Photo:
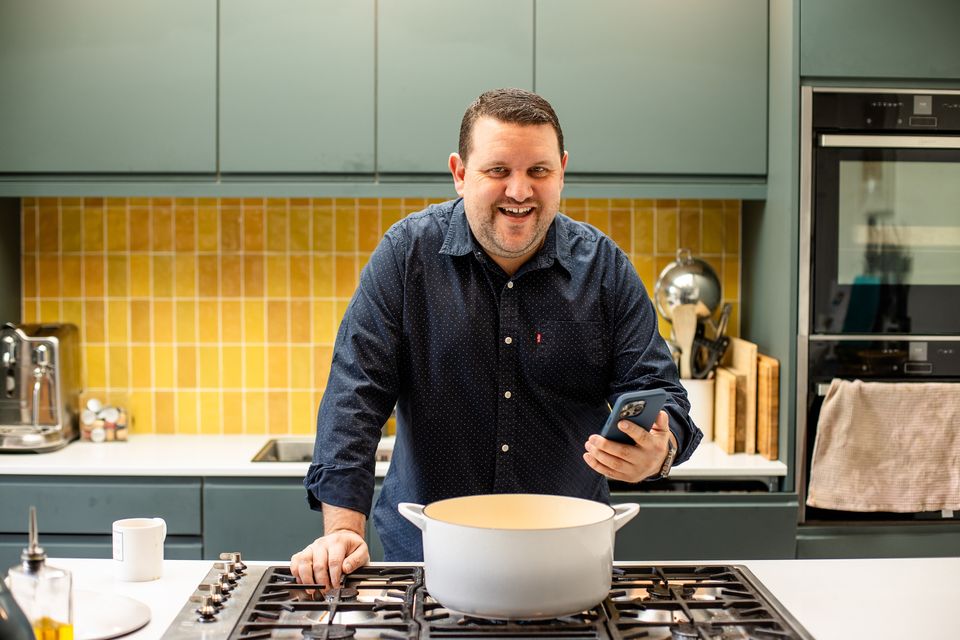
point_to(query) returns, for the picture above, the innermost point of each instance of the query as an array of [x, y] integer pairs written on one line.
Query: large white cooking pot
[[510, 556]]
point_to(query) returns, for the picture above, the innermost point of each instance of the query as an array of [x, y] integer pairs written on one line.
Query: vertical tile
[[230, 229], [253, 285], [72, 312], [712, 230], [300, 229], [277, 273], [323, 276], [117, 325], [49, 226], [302, 413], [48, 278], [208, 328], [232, 415], [231, 268], [345, 226], [300, 321], [119, 369], [323, 239], [278, 421], [322, 357], [72, 274], [208, 231], [186, 311], [71, 229], [208, 276], [187, 418], [29, 311], [231, 321], [163, 366], [185, 277], [324, 329], [644, 264], [184, 226], [93, 229], [208, 373], [277, 313], [162, 276], [255, 367], [299, 270], [141, 412], [140, 276], [95, 362], [278, 361], [186, 367], [276, 230], [164, 403], [255, 412], [621, 228], [254, 329], [94, 324], [117, 285], [730, 277], [141, 372], [253, 227], [93, 276], [117, 228], [163, 323], [731, 231], [598, 214], [232, 367], [28, 227], [391, 212], [368, 228], [29, 272], [301, 362], [346, 272], [666, 231], [49, 311], [139, 222], [161, 226], [690, 230], [140, 321]]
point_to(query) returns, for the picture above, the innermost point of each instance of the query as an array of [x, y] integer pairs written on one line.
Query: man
[[501, 330]]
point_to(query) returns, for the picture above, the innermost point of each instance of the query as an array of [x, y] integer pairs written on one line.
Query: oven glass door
[[886, 240]]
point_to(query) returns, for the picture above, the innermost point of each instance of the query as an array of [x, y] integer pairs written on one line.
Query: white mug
[[138, 548]]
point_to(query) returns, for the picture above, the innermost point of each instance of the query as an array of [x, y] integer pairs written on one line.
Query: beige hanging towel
[[887, 446]]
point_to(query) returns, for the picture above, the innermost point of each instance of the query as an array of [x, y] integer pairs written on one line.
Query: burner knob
[[234, 557], [208, 612], [224, 585], [227, 571], [217, 596]]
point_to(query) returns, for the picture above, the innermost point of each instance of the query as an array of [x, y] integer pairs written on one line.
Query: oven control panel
[[885, 359]]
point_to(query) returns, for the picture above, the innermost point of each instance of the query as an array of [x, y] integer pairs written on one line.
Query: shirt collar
[[459, 240]]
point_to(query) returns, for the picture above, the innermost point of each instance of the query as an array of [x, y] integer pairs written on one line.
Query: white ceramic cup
[[138, 548], [700, 394]]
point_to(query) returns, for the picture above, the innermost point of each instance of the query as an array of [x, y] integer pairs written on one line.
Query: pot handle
[[414, 513], [624, 513]]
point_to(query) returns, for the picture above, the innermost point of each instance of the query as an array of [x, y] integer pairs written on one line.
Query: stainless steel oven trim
[[926, 92], [878, 337], [890, 141], [803, 289]]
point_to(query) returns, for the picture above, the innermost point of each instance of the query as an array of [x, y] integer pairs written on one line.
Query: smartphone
[[640, 407]]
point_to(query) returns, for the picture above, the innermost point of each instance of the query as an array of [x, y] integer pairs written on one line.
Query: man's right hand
[[340, 551]]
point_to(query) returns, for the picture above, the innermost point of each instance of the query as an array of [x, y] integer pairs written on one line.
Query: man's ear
[[458, 170]]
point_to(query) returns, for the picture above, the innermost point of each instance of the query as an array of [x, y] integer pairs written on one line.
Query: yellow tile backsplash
[[211, 315]]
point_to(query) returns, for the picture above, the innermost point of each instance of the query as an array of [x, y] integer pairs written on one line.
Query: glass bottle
[[43, 592]]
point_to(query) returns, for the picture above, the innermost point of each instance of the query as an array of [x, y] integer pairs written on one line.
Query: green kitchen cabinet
[[914, 540], [434, 57], [880, 39], [108, 86], [75, 514], [296, 86], [708, 526], [262, 518], [655, 87]]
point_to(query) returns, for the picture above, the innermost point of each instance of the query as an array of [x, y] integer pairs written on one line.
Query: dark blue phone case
[[639, 407]]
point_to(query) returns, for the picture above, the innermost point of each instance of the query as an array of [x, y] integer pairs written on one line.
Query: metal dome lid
[[687, 280]]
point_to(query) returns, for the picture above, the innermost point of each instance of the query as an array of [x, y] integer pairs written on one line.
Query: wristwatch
[[667, 462]]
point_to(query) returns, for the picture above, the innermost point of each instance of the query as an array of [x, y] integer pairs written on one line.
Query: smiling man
[[500, 329]]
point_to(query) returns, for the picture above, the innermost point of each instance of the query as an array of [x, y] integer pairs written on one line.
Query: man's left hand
[[631, 463]]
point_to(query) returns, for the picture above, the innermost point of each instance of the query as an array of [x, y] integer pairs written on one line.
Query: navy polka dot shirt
[[498, 381]]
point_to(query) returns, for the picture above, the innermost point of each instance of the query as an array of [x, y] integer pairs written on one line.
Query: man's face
[[511, 187]]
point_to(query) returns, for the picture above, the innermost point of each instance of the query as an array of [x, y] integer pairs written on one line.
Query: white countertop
[[879, 599], [182, 455]]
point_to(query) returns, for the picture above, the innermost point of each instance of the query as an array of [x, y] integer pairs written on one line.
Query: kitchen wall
[[219, 315]]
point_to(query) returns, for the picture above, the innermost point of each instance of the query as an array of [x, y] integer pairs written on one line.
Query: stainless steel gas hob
[[237, 602]]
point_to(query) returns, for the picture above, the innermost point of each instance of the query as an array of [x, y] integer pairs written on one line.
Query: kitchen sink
[[301, 450]]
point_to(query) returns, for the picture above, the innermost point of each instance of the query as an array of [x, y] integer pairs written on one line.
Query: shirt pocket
[[569, 357]]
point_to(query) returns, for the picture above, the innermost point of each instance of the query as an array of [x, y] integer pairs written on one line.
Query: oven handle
[[892, 142]]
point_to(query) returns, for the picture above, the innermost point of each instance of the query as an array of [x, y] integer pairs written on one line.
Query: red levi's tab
[[539, 337]]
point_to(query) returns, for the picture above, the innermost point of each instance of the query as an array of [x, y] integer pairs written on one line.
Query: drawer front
[[79, 504], [59, 546]]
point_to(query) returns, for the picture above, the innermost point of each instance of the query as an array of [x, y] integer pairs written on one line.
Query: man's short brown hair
[[515, 106]]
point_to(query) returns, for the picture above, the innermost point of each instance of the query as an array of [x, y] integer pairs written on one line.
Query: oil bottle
[[43, 592]]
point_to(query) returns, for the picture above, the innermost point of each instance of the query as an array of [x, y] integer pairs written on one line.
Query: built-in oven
[[879, 252]]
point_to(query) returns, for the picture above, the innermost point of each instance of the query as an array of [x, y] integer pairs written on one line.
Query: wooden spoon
[[684, 329]]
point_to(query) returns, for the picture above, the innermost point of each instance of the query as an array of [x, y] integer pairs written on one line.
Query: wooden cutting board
[[741, 356], [725, 409], [768, 406]]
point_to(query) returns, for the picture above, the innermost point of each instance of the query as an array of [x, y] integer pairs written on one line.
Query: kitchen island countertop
[[201, 455], [882, 599]]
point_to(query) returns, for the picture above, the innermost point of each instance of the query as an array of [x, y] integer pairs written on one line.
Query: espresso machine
[[39, 400]]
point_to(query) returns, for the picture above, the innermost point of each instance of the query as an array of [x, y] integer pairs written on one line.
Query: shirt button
[[505, 448], [510, 285], [508, 340], [507, 394]]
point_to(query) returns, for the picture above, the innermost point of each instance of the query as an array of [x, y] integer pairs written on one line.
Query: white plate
[[107, 615]]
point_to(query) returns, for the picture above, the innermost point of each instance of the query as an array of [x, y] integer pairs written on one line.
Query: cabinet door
[[296, 86], [434, 57], [919, 540], [108, 86], [262, 518], [708, 527], [58, 546], [880, 39], [657, 86]]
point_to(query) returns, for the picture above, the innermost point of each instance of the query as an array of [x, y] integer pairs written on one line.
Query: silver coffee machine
[[39, 401]]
